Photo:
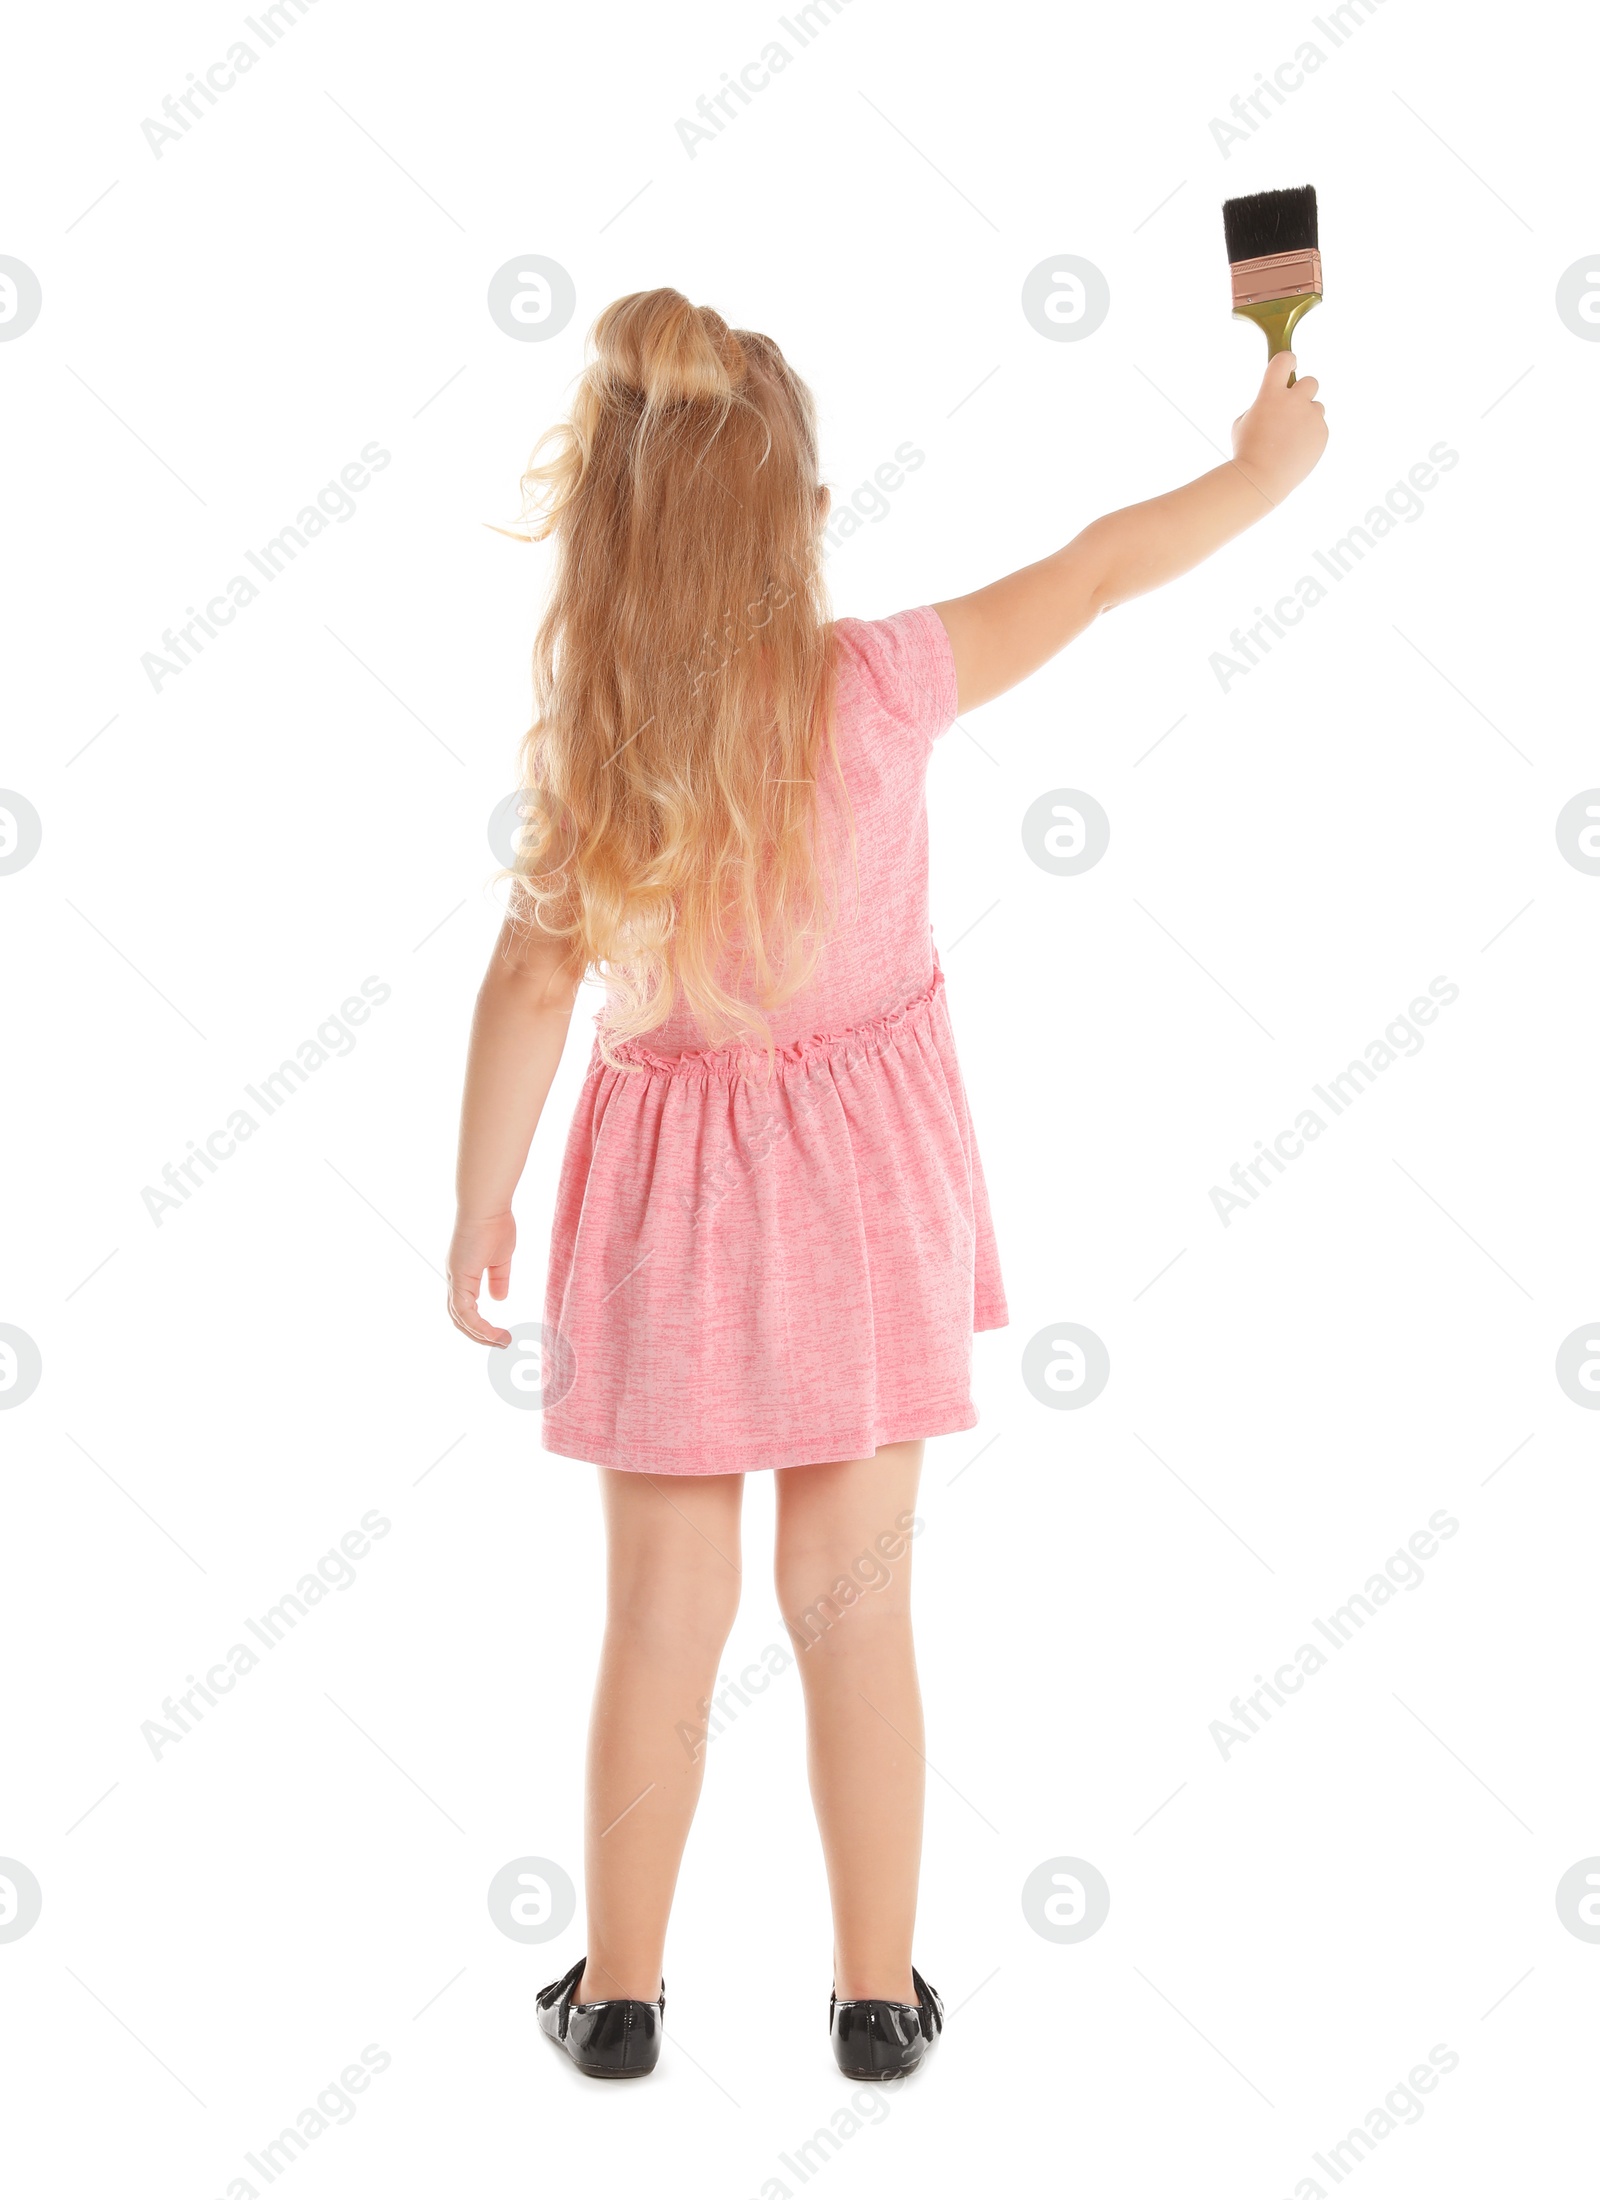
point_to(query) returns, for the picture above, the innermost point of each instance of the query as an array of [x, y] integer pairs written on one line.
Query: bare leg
[[844, 1586], [672, 1589]]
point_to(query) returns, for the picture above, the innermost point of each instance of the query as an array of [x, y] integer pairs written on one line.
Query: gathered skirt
[[776, 1269]]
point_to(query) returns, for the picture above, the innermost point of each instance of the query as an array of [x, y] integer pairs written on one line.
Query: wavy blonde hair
[[683, 677]]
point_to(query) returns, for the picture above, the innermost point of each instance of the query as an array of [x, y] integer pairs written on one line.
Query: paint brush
[[1274, 261]]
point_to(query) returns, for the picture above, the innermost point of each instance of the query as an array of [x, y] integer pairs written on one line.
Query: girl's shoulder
[[900, 668]]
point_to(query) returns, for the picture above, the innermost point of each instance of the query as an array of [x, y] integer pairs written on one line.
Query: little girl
[[772, 1242]]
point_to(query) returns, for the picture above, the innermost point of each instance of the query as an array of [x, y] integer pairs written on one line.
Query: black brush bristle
[[1270, 221]]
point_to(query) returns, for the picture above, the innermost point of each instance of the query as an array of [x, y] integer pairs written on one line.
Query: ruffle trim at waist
[[707, 1064]]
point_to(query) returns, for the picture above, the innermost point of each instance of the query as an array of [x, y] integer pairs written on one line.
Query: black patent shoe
[[885, 2039], [606, 2039]]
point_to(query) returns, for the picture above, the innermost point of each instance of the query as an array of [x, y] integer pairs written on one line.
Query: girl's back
[[760, 1265], [896, 693]]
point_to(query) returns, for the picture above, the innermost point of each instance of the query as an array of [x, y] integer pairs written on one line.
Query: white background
[[224, 861]]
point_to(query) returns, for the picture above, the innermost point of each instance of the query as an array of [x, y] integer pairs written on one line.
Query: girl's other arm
[[999, 634], [518, 1030]]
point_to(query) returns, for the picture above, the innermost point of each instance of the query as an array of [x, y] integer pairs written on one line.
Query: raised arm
[[999, 634]]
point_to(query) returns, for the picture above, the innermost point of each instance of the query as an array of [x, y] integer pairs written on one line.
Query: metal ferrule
[[1277, 275]]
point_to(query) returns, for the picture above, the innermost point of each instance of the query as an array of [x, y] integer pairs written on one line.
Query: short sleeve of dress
[[905, 668]]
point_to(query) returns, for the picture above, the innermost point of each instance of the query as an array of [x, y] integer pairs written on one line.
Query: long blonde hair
[[683, 677]]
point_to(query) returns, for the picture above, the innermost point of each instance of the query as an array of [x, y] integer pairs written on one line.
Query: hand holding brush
[[1278, 441]]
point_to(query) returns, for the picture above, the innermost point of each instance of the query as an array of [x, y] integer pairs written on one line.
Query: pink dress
[[774, 1274]]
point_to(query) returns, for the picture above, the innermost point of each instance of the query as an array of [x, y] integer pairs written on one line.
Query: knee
[[677, 1610], [837, 1602]]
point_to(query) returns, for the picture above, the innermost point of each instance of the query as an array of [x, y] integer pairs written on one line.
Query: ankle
[[874, 1982], [616, 1981]]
